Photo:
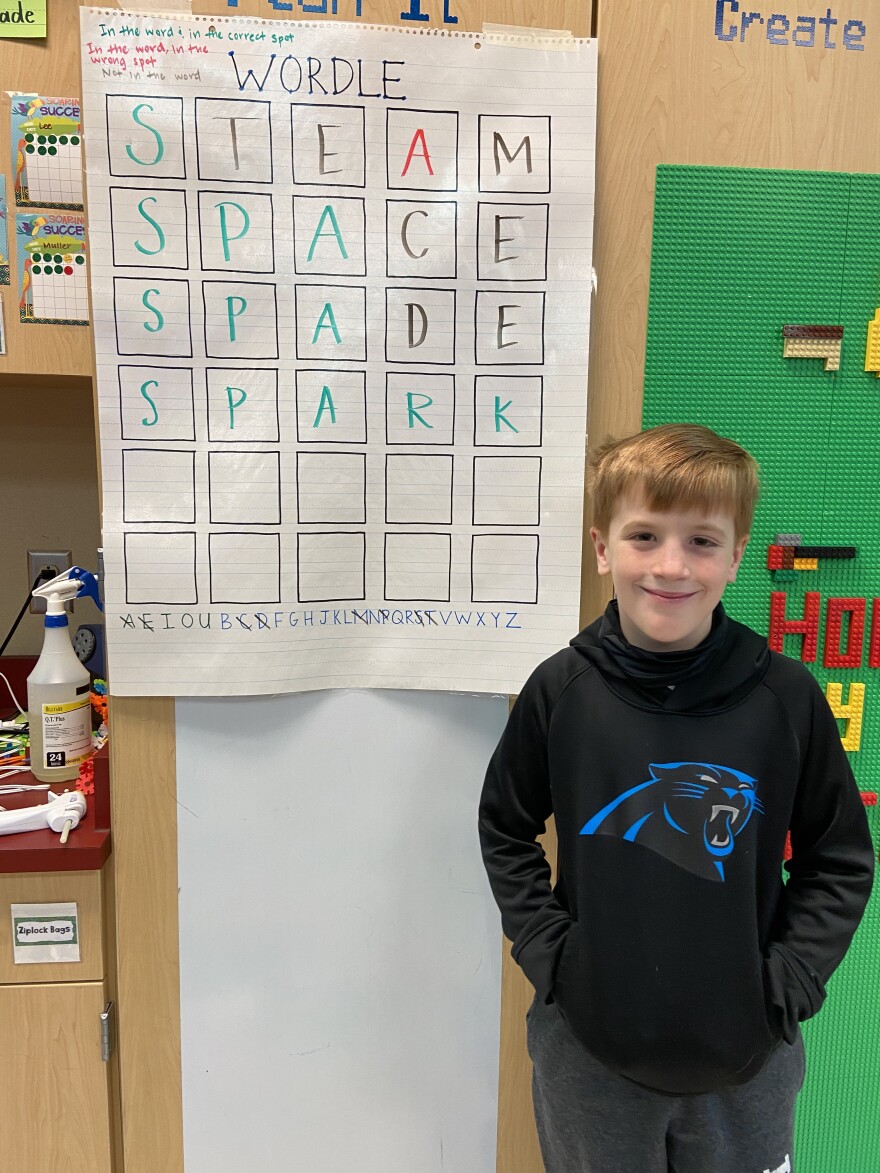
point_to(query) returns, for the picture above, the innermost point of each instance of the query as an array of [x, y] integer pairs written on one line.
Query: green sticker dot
[[41, 150], [63, 139], [37, 269], [58, 258], [53, 150], [58, 269], [30, 150], [28, 138], [80, 260], [53, 138], [74, 140], [41, 138]]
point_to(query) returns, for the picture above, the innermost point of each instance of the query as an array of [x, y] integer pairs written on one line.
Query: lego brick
[[872, 345], [851, 710], [859, 292], [805, 626], [851, 656], [813, 342]]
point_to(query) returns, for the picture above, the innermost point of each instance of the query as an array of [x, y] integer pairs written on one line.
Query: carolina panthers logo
[[689, 812]]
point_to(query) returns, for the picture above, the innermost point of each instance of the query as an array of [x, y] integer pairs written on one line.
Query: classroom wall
[[48, 462], [48, 467]]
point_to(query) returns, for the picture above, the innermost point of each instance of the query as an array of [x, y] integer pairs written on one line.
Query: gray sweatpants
[[591, 1120]]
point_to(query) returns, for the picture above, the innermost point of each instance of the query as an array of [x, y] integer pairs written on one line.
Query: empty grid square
[[504, 568], [245, 567], [244, 488], [507, 490], [331, 487], [160, 567], [158, 484], [330, 567], [418, 490], [418, 567]]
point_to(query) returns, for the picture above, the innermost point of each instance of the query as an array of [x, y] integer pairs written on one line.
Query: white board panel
[[340, 950]]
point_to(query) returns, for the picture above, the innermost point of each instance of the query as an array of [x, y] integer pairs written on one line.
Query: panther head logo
[[689, 812]]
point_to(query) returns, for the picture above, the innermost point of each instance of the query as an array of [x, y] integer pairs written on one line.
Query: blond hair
[[675, 466]]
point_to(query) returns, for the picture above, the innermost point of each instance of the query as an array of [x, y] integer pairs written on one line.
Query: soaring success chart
[[341, 282]]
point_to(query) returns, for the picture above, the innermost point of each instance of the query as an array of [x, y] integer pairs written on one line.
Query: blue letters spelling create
[[735, 21]]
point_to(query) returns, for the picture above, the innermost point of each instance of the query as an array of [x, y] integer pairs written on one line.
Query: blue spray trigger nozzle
[[89, 585]]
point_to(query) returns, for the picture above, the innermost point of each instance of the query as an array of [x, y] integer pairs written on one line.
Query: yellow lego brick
[[806, 563], [851, 712], [872, 347]]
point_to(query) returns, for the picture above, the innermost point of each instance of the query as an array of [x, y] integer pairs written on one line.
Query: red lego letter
[[808, 627], [834, 612]]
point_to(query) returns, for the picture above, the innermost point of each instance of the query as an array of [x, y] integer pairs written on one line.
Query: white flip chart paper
[[341, 294]]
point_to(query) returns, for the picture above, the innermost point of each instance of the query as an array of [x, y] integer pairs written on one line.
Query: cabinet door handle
[[106, 1032]]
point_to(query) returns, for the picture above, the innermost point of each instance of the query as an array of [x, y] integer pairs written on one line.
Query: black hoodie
[[671, 945]]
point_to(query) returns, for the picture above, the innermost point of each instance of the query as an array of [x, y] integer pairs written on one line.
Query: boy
[[670, 963]]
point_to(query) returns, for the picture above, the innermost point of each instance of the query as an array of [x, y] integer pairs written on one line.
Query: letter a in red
[[419, 136]]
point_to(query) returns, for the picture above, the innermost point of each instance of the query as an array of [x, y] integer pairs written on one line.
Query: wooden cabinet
[[54, 1087], [57, 1093]]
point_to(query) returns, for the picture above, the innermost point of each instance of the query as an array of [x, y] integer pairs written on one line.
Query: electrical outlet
[[57, 561]]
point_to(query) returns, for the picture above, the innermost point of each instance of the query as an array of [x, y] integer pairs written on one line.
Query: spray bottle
[[58, 702]]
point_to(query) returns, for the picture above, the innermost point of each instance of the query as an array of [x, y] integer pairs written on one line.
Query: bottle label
[[67, 733]]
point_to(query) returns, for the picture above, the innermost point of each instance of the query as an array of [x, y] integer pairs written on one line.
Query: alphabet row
[[330, 566], [326, 406], [329, 144], [331, 488], [237, 234], [153, 318]]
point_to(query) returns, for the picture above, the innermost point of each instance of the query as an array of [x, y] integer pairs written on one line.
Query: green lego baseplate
[[739, 254]]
